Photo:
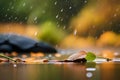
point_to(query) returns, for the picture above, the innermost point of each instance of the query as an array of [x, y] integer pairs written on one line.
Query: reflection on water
[[61, 71], [110, 71]]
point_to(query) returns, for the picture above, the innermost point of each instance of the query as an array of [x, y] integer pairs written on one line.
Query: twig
[[9, 58]]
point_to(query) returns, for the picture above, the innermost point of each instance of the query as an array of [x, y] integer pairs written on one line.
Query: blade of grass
[[4, 56]]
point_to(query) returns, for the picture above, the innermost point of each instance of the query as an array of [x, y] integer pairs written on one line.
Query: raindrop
[[64, 27], [70, 7], [85, 1], [26, 18], [57, 16], [93, 26], [50, 56], [117, 9], [89, 74], [14, 65], [61, 19], [115, 15], [56, 3], [35, 33], [116, 53], [79, 24], [12, 7], [15, 18], [35, 18], [75, 32], [58, 25], [24, 4], [61, 10], [8, 9], [31, 7], [6, 15]]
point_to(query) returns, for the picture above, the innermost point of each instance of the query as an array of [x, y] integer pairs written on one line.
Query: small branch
[[4, 56], [108, 59]]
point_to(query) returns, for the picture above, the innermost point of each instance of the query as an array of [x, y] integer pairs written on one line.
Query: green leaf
[[90, 56]]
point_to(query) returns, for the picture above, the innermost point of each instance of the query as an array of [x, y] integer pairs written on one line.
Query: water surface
[[61, 71]]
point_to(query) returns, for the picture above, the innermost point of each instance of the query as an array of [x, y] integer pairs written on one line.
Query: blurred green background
[[66, 23]]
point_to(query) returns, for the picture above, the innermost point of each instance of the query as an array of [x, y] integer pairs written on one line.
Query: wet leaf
[[90, 56]]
